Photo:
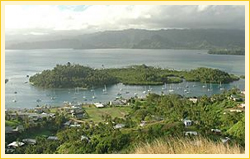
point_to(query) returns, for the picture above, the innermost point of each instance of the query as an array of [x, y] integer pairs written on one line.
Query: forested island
[[227, 51], [75, 75]]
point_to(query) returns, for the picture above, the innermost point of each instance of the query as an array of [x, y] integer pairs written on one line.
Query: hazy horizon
[[37, 20]]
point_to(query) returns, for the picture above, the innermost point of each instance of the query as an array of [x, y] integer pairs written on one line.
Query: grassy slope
[[186, 146], [96, 113]]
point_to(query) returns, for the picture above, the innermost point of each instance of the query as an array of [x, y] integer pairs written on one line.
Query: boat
[[53, 98], [221, 88], [27, 76], [104, 90], [164, 87], [170, 89], [6, 80], [119, 94], [14, 100], [15, 92], [38, 100], [210, 88], [144, 92], [205, 85], [93, 97], [149, 89]]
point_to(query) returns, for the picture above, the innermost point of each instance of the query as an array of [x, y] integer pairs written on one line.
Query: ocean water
[[20, 63]]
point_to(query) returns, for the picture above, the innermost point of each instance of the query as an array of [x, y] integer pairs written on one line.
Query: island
[[75, 75], [238, 51]]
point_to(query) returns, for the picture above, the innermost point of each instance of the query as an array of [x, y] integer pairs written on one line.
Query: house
[[119, 126], [194, 100], [242, 105], [67, 123], [15, 144], [99, 105], [79, 115], [235, 98], [119, 102], [143, 123], [216, 131], [19, 128], [83, 137], [187, 122], [52, 138], [75, 125], [225, 140], [189, 133], [8, 130], [235, 110], [29, 141], [242, 92]]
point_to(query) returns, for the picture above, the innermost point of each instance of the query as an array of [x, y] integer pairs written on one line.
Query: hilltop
[[136, 39]]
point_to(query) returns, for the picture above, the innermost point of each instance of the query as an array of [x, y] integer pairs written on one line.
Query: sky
[[45, 19]]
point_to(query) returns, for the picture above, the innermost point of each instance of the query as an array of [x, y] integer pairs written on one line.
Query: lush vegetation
[[74, 75], [65, 76], [227, 51], [163, 115], [209, 75]]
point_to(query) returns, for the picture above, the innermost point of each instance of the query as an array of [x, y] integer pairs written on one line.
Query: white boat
[[221, 88], [170, 89], [164, 87], [149, 89], [14, 100], [104, 90]]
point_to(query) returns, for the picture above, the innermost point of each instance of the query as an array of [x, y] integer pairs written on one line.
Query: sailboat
[[84, 97], [127, 92], [170, 89], [94, 97], [104, 90], [53, 96], [149, 89], [144, 92], [221, 88], [164, 87], [210, 88], [205, 85]]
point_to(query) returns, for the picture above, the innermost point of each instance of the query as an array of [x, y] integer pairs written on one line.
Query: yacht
[[104, 90]]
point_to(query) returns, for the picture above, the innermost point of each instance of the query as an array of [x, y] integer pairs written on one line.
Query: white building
[[99, 105], [187, 133], [187, 122]]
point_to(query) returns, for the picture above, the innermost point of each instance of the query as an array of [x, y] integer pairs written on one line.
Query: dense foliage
[[163, 115], [74, 75], [65, 76], [209, 75]]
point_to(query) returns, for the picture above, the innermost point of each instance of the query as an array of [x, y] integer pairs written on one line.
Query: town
[[220, 118]]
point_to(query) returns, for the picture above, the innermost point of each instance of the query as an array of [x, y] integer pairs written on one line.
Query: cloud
[[113, 17]]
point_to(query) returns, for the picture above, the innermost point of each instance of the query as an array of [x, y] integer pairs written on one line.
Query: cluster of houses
[[26, 115], [74, 111]]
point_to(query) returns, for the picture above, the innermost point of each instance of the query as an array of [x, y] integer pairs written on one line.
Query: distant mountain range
[[139, 39]]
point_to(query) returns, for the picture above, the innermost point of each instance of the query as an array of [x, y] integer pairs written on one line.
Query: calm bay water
[[20, 63]]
